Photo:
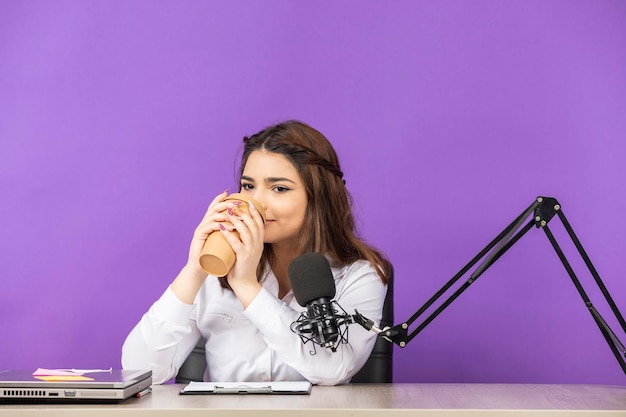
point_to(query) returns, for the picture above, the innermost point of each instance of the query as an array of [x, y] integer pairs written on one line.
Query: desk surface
[[362, 400]]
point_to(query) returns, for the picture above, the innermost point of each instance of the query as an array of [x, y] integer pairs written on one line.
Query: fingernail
[[236, 202], [252, 208], [230, 212], [222, 227], [226, 191]]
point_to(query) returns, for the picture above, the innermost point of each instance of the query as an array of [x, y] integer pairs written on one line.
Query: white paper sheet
[[278, 387]]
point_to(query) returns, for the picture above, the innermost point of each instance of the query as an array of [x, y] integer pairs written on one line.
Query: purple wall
[[120, 121]]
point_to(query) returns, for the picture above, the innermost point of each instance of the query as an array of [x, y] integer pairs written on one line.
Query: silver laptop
[[117, 385]]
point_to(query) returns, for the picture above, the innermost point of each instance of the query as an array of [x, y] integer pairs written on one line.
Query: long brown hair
[[329, 226]]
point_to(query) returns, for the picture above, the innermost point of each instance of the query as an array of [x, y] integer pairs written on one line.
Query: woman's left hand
[[248, 248]]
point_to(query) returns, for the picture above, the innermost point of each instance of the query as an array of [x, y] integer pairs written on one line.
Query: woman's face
[[273, 181]]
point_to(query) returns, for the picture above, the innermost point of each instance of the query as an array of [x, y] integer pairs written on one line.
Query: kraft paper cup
[[217, 256]]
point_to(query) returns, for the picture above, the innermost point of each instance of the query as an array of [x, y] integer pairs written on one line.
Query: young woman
[[293, 172]]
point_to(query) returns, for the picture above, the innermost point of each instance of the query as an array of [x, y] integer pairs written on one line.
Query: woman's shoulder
[[358, 279], [361, 269]]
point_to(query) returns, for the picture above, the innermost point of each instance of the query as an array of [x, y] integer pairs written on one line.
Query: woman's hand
[[192, 276], [215, 215], [248, 248]]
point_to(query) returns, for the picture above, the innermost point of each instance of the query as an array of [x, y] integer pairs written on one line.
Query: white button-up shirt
[[255, 344]]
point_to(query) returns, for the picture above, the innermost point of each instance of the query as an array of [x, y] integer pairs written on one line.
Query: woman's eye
[[281, 189], [247, 187]]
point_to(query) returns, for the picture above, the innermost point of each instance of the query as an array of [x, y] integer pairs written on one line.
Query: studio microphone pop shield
[[311, 278]]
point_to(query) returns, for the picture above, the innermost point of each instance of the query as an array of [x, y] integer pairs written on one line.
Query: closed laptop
[[116, 385]]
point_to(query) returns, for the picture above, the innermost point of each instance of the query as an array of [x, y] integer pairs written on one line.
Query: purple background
[[121, 120]]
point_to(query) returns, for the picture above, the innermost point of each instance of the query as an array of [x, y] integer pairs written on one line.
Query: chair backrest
[[378, 368], [194, 366]]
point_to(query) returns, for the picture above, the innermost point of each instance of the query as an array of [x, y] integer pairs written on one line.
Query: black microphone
[[313, 286]]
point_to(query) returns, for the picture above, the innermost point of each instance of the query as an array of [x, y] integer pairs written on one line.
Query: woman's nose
[[259, 197]]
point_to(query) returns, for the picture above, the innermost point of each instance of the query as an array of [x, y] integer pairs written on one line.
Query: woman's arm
[[167, 333], [162, 339]]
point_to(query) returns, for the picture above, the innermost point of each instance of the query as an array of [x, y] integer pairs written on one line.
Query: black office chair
[[378, 368], [194, 366]]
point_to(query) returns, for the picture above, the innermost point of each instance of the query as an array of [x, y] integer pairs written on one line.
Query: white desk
[[371, 400]]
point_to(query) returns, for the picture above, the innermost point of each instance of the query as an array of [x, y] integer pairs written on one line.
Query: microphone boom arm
[[543, 210]]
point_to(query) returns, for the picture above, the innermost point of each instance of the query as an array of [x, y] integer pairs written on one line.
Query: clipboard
[[278, 387]]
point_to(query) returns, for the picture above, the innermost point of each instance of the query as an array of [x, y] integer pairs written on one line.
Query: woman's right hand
[[215, 214], [192, 276]]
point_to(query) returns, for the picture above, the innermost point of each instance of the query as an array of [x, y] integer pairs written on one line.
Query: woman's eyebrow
[[268, 180], [278, 179]]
